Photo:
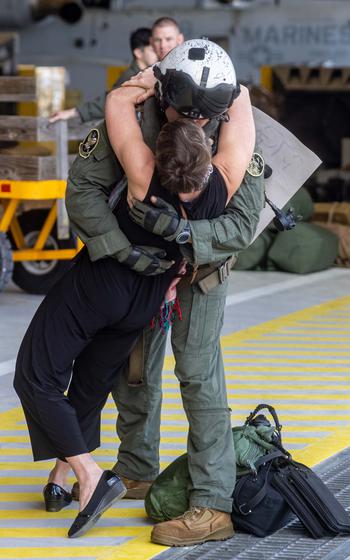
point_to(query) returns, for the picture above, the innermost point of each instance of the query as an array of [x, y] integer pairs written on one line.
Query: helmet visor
[[180, 91]]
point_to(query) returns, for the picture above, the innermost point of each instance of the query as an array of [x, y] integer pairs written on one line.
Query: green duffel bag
[[168, 496], [302, 205], [255, 255], [304, 249]]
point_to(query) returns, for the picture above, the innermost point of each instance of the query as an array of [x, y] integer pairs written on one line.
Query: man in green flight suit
[[196, 338]]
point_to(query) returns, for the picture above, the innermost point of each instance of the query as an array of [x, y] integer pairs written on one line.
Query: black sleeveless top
[[210, 203]]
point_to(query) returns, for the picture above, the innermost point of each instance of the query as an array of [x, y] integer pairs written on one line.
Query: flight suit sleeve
[[217, 239], [91, 110], [95, 109], [90, 182]]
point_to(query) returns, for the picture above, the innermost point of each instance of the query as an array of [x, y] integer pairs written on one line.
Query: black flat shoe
[[108, 490], [56, 498]]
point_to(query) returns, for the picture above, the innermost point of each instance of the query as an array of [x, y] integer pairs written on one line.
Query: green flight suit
[[95, 109], [195, 339]]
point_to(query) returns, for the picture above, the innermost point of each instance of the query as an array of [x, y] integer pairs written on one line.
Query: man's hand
[[63, 115], [148, 261], [160, 218]]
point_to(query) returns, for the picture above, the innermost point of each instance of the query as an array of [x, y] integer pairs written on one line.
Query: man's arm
[[90, 182], [236, 142]]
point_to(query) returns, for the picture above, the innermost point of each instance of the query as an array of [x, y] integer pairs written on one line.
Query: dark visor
[[181, 92]]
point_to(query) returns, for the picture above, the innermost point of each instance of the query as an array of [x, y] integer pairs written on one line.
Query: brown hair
[[164, 22], [183, 156]]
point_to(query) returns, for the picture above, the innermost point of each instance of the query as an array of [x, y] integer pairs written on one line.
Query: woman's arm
[[236, 142], [126, 139]]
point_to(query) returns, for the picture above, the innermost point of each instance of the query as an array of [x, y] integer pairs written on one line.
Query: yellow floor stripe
[[45, 532], [113, 513], [256, 352], [254, 356]]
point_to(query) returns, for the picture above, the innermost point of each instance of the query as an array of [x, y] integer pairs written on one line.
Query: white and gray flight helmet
[[197, 79]]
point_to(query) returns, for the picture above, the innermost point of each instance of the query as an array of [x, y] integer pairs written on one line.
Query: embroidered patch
[[256, 165], [89, 144]]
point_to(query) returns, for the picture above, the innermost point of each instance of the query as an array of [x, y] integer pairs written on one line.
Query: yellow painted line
[[112, 513], [21, 480], [317, 369], [294, 384], [312, 330], [23, 496], [322, 339], [284, 397], [136, 549], [46, 552], [295, 345], [14, 439], [323, 448], [252, 353], [233, 379], [282, 359], [54, 532]]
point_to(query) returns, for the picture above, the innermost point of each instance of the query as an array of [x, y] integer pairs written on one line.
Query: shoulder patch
[[256, 165], [89, 144]]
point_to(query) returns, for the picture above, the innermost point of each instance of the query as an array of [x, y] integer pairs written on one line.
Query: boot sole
[[220, 535], [106, 503]]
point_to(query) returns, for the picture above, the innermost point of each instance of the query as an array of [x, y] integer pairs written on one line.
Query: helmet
[[197, 79]]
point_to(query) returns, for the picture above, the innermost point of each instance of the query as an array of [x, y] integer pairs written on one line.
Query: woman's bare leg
[[88, 474], [59, 473]]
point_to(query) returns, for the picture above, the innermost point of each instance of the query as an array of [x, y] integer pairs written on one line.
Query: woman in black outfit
[[89, 321]]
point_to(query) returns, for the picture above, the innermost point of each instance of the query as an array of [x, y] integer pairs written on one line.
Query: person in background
[[166, 35], [147, 47], [143, 56]]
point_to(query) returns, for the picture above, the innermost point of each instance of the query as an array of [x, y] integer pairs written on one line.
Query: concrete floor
[[254, 299]]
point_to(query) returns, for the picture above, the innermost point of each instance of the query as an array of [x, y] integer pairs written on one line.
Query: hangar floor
[[285, 342]]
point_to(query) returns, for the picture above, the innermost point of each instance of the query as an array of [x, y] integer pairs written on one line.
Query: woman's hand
[[145, 80]]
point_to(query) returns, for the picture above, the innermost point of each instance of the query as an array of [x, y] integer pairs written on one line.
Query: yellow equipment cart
[[36, 243], [30, 239]]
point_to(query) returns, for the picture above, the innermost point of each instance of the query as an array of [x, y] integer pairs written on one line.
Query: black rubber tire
[[6, 262], [37, 277]]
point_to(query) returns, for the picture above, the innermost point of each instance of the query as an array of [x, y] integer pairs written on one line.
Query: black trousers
[[91, 318]]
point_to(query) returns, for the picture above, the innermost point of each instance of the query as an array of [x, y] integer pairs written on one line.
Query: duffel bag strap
[[278, 426], [269, 457], [271, 410]]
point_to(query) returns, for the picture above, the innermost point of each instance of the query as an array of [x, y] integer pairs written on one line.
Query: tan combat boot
[[135, 489], [195, 526]]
